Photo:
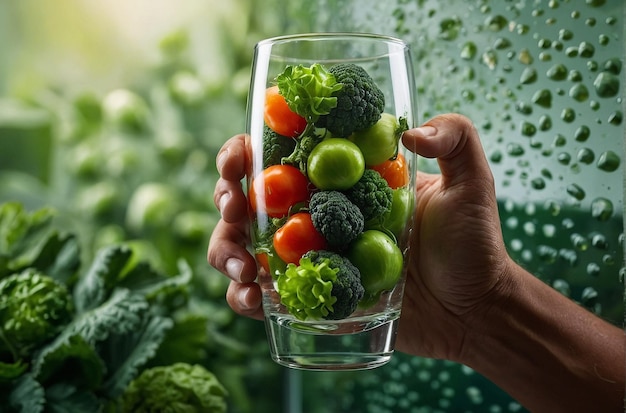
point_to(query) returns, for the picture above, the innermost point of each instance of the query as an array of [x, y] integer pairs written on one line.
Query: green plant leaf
[[95, 286], [69, 360], [26, 396]]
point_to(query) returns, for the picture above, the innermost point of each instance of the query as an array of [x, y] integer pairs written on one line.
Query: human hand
[[457, 256]]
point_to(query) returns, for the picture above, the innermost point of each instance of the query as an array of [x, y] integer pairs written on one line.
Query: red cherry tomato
[[297, 237], [277, 189], [279, 117]]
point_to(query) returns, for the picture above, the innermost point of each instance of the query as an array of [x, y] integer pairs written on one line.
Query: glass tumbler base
[[352, 344]]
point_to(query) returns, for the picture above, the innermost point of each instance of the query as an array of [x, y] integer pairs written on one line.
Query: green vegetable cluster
[[350, 203]]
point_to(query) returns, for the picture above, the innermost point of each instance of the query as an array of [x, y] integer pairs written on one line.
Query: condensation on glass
[[543, 82]]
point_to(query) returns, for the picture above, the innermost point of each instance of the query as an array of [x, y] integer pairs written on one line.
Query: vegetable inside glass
[[331, 194]]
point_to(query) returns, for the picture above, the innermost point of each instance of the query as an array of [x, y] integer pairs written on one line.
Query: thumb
[[453, 140]]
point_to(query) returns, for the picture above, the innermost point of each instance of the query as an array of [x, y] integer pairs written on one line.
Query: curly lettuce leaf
[[308, 90], [306, 289]]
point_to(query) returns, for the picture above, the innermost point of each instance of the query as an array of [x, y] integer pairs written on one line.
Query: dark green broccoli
[[335, 217], [276, 147], [324, 285], [347, 288], [360, 102], [371, 194]]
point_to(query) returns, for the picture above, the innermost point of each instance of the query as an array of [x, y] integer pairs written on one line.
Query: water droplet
[[613, 65], [568, 115], [569, 256], [592, 65], [579, 242], [547, 253], [576, 191], [557, 72], [601, 209], [591, 21], [553, 208], [603, 39], [496, 156], [599, 241], [490, 59], [544, 43], [525, 57], [595, 3], [594, 105], [559, 141], [468, 51], [529, 75], [449, 28], [589, 296], [585, 155], [545, 123], [528, 129], [523, 108], [606, 84], [574, 76], [496, 23], [615, 118], [593, 269], [579, 92], [565, 34], [571, 51], [564, 158], [538, 183], [545, 56], [543, 98], [586, 49], [582, 133], [561, 286], [549, 230], [608, 161], [501, 43], [608, 259]]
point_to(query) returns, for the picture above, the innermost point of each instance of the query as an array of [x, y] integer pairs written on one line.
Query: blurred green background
[[113, 112]]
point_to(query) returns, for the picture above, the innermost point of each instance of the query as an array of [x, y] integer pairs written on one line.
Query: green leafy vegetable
[[308, 90], [306, 289], [178, 388]]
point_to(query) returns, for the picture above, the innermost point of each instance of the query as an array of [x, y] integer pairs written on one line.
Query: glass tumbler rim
[[396, 44]]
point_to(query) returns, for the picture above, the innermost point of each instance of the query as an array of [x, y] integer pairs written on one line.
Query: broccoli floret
[[276, 147], [323, 286], [179, 387], [335, 217], [359, 101], [347, 288], [371, 194]]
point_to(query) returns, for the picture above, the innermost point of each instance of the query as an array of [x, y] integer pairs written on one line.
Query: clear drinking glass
[[335, 104]]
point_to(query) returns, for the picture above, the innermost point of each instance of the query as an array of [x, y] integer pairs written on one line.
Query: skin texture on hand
[[465, 299]]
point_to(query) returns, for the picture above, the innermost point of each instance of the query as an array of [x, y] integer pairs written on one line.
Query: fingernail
[[234, 268], [221, 158], [427, 130], [223, 201], [242, 298]]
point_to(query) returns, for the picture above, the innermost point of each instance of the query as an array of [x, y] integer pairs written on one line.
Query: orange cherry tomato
[[297, 237], [264, 261], [279, 117], [395, 171], [277, 189]]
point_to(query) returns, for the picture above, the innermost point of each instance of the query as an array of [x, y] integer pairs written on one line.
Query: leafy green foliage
[[77, 349]]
